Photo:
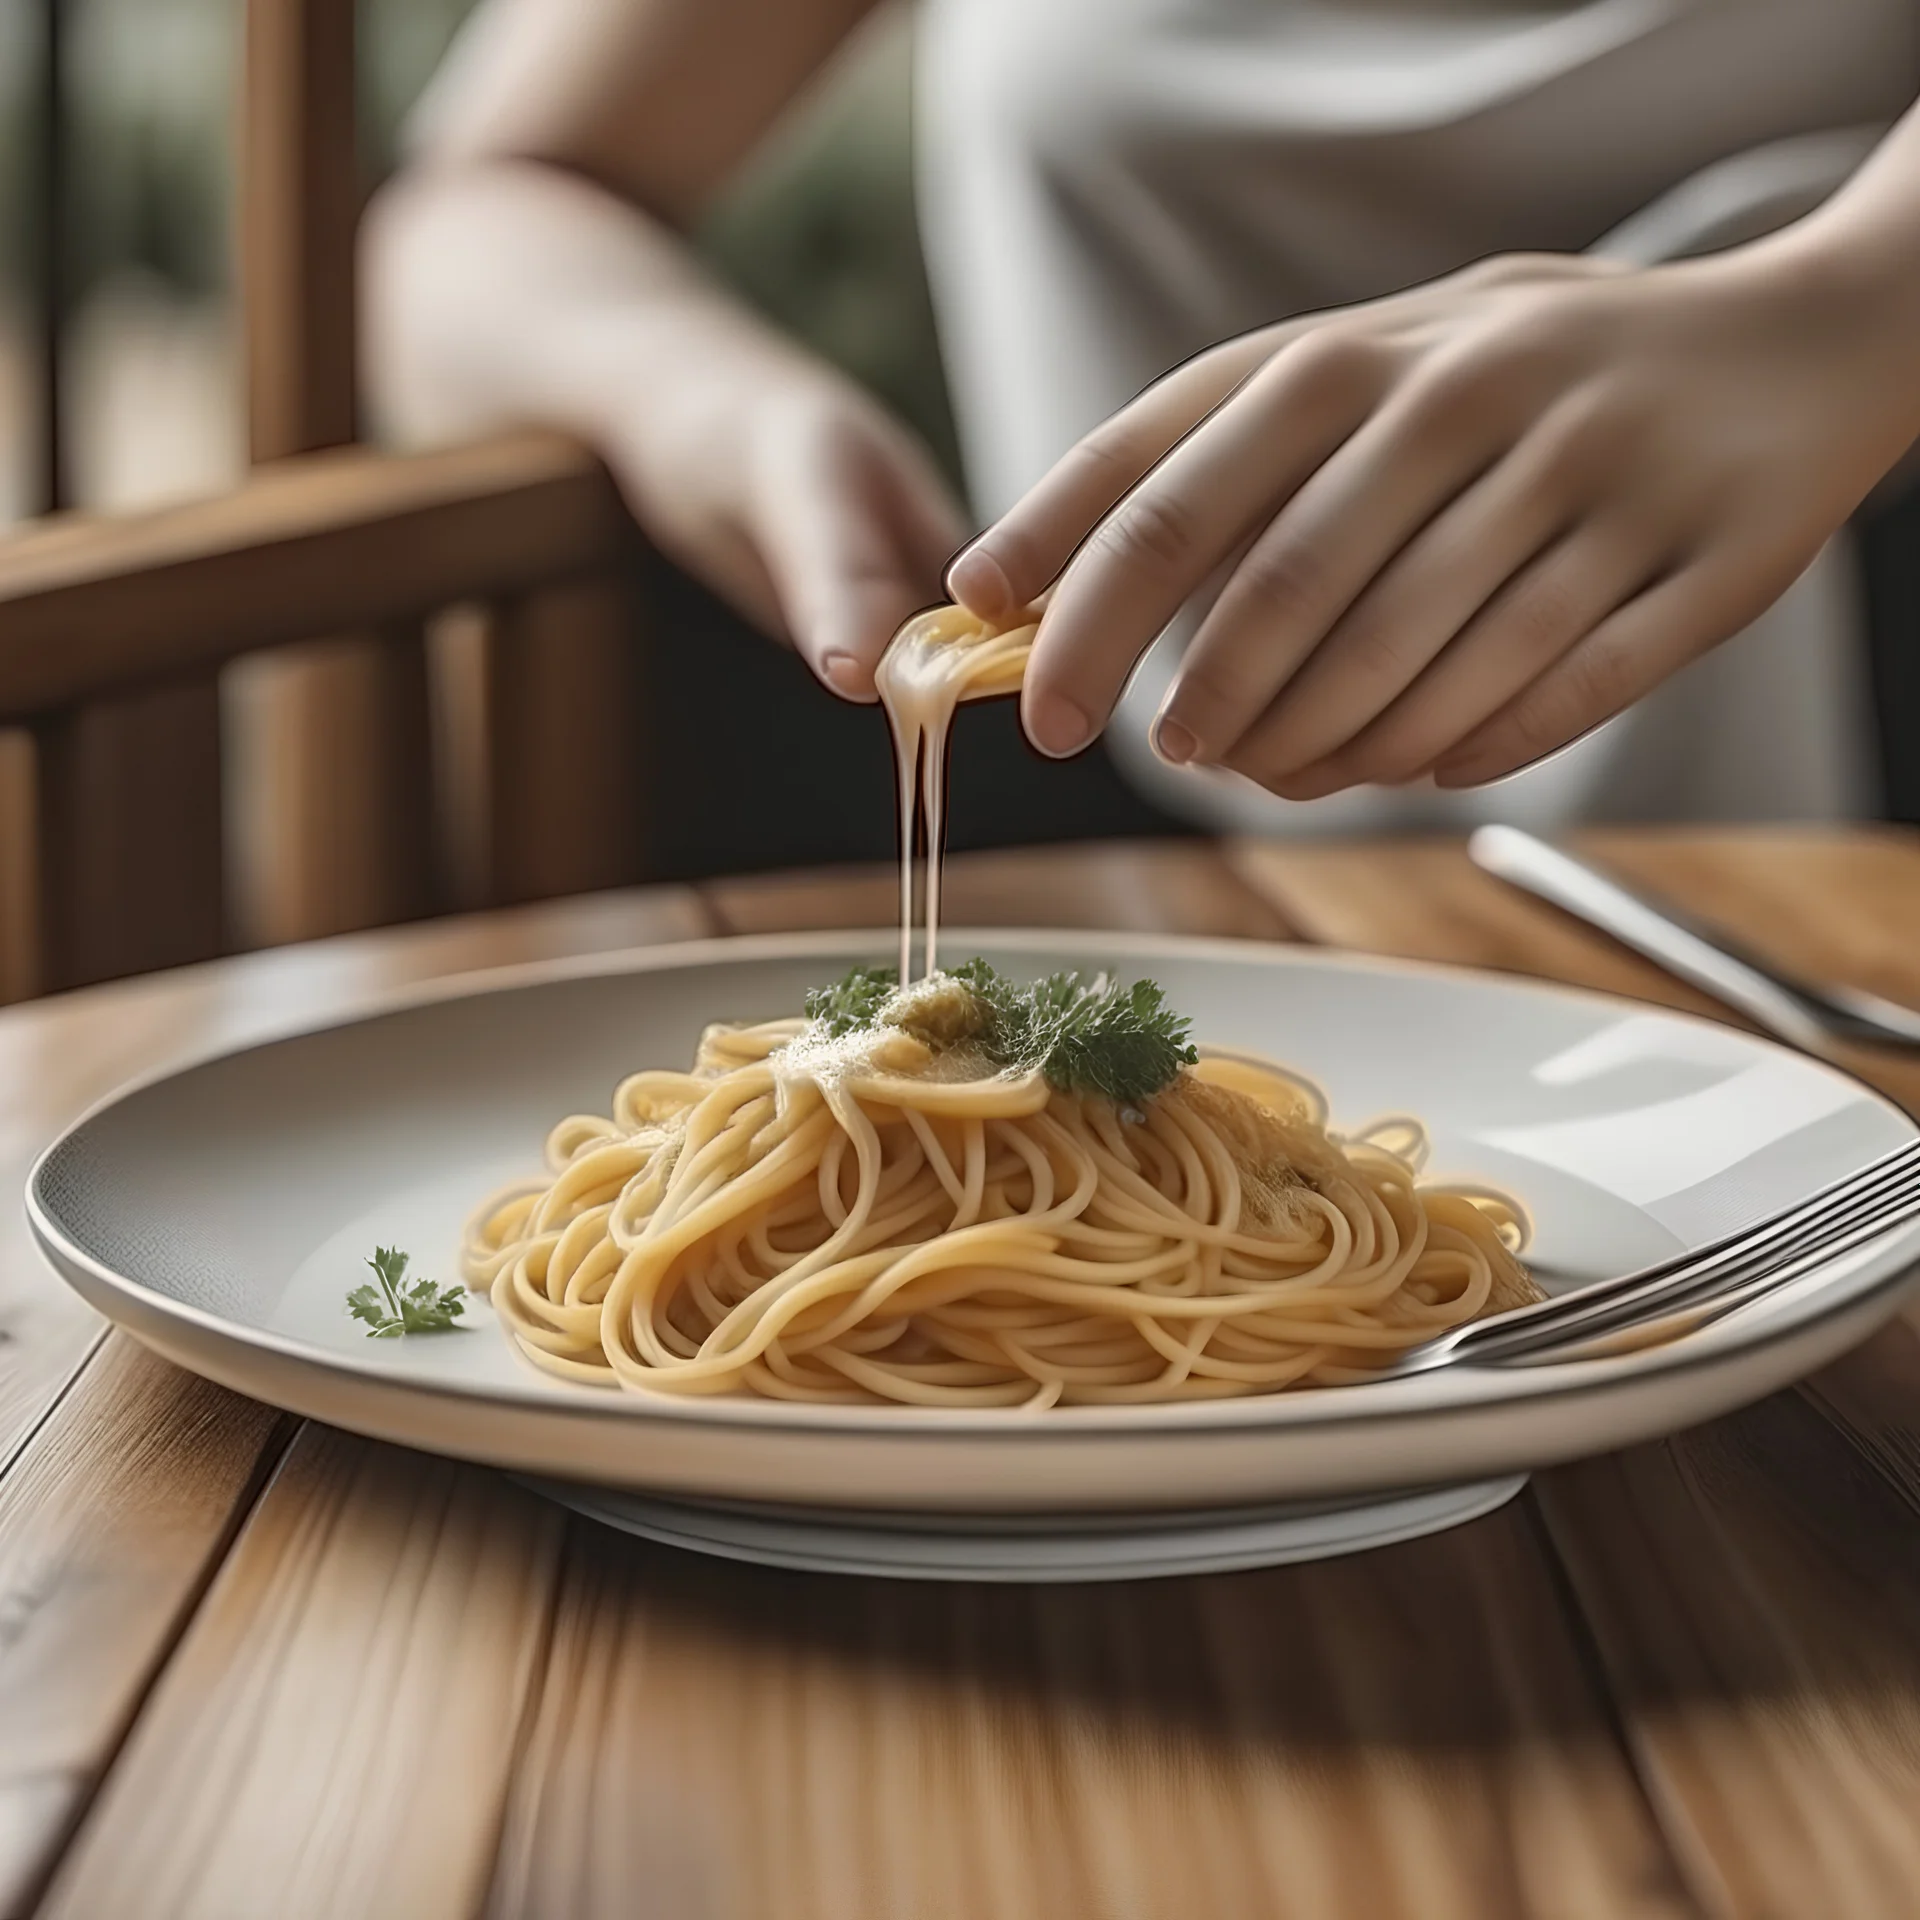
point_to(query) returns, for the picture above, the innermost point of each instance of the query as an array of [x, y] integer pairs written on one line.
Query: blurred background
[[819, 232], [132, 321]]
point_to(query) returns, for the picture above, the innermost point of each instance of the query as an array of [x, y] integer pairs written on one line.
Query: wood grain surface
[[1684, 1680], [335, 1733], [112, 1520], [1407, 1733]]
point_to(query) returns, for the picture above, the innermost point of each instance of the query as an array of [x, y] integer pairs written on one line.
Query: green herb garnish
[[852, 1002], [392, 1309], [1085, 1035]]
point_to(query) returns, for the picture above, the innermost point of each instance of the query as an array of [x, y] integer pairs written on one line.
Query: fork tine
[[1723, 1290], [1856, 1207], [1669, 1320]]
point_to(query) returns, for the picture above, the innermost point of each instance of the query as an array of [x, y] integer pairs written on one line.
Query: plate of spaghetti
[[992, 1244]]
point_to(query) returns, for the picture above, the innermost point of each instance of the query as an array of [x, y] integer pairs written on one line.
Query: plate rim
[[1349, 1405]]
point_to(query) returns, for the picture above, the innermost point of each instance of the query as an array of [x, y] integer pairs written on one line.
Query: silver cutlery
[[1800, 1012], [1690, 1290]]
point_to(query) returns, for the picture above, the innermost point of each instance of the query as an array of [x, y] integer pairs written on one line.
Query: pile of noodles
[[878, 1219]]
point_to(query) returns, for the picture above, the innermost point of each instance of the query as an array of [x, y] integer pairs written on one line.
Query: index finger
[[1024, 551]]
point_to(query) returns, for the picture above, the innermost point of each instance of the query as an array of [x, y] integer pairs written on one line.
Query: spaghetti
[[885, 1210], [877, 1219]]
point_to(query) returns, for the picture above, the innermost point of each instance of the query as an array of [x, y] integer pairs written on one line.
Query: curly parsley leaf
[[393, 1308], [1120, 1042]]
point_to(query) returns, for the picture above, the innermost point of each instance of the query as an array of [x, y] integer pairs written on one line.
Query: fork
[[1687, 1291], [1795, 1010]]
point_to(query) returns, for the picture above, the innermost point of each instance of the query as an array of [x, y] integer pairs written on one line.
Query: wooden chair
[[372, 801]]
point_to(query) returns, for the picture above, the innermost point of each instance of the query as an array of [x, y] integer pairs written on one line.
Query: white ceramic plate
[[221, 1214]]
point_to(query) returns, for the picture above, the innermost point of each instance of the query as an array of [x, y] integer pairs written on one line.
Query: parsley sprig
[[1095, 1035], [392, 1308], [1086, 1035]]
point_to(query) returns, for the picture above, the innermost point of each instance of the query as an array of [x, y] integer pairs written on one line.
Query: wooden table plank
[[1149, 886], [1754, 1588], [335, 1734], [1798, 893], [1727, 1588], [118, 1506], [1408, 1733], [111, 1523]]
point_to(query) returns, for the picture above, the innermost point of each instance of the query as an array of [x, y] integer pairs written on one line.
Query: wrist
[[1849, 278]]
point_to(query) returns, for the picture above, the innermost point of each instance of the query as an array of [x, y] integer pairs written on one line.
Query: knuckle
[[1108, 462], [1541, 618], [1281, 581], [1338, 359], [1600, 679], [1387, 755], [1152, 526], [1376, 654], [1501, 270], [1588, 687], [1387, 769]]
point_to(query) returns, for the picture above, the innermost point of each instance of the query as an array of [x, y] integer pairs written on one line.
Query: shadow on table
[[1758, 1559]]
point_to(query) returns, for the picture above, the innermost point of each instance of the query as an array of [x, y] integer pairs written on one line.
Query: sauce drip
[[934, 662]]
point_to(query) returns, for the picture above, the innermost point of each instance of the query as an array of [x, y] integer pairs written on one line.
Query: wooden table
[[261, 1669]]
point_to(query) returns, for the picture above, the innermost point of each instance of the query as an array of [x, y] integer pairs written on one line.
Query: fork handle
[[1578, 889]]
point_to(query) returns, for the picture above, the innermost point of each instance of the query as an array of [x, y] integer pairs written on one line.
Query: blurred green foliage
[[819, 232]]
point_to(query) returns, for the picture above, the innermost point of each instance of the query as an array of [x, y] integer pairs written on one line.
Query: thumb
[[854, 545]]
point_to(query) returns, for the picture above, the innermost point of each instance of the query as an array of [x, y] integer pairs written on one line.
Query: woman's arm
[[1463, 526], [527, 265]]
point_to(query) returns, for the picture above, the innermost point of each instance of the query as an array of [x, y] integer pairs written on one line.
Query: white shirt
[[1108, 186]]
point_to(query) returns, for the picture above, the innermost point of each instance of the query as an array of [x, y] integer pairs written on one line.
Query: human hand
[[1460, 527], [793, 495]]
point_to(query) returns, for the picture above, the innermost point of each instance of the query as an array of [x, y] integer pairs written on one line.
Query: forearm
[[503, 291], [507, 291]]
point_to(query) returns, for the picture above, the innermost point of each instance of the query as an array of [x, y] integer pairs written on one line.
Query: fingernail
[[846, 673], [1173, 743], [975, 579], [1056, 726]]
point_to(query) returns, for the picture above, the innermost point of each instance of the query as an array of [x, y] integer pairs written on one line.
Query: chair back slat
[[19, 868], [332, 765], [332, 789], [126, 801], [299, 202], [562, 701]]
